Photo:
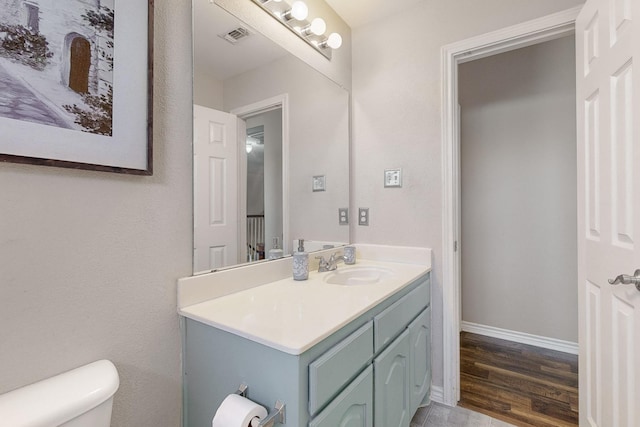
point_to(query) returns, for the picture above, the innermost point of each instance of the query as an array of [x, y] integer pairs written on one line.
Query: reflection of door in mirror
[[238, 182], [215, 163], [264, 183]]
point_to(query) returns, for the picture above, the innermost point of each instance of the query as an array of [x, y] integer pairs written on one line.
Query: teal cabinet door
[[391, 384], [420, 358], [351, 408]]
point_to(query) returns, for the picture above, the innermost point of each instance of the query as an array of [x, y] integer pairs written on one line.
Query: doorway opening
[[522, 35], [263, 214], [264, 185], [518, 243]]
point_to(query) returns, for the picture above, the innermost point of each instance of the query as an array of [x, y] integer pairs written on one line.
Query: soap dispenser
[[300, 262], [275, 252]]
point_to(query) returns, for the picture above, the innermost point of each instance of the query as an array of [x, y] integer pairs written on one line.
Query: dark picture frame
[[104, 122]]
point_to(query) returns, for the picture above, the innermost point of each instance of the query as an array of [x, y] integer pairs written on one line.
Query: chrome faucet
[[330, 265]]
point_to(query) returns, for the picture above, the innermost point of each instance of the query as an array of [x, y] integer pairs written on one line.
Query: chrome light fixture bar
[[295, 18]]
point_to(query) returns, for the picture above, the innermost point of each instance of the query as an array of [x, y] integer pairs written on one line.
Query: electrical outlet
[[363, 216], [343, 216]]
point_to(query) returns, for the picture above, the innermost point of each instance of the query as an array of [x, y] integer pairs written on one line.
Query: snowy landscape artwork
[[57, 63]]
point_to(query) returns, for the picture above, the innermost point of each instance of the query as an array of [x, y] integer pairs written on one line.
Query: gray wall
[[397, 120], [518, 167], [89, 260]]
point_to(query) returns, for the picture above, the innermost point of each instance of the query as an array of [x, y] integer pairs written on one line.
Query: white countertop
[[292, 316]]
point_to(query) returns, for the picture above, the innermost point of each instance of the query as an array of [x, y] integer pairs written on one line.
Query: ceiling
[[357, 13], [214, 56]]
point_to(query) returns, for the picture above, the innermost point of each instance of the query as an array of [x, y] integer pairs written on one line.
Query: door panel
[[215, 159], [420, 358], [391, 384], [607, 47], [351, 408]]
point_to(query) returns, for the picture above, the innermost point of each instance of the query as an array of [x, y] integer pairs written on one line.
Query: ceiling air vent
[[235, 35]]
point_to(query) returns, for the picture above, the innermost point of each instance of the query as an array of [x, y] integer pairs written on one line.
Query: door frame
[[279, 101], [518, 36]]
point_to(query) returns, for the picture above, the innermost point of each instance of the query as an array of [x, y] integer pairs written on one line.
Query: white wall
[[518, 167], [207, 90], [89, 260], [396, 120]]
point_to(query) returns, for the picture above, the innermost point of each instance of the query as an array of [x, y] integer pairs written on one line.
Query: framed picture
[[76, 84]]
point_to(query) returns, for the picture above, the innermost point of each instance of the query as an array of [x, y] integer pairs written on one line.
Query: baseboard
[[521, 337], [437, 394]]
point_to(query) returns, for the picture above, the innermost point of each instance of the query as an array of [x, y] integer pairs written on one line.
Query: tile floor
[[437, 415]]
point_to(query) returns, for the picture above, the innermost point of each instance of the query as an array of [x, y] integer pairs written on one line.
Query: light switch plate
[[393, 178], [343, 216], [318, 183]]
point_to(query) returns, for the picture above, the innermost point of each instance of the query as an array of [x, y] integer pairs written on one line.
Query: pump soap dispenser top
[[275, 252], [300, 262]]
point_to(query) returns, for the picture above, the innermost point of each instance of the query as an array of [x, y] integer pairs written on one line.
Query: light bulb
[[334, 41], [249, 148], [299, 10], [318, 26]]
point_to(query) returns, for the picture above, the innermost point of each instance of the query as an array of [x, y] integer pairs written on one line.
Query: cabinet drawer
[[391, 322], [329, 373]]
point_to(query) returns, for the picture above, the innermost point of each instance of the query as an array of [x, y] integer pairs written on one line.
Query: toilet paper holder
[[276, 415]]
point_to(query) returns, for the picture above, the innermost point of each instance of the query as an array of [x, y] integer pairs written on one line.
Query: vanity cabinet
[[391, 384], [419, 359], [353, 407], [374, 371]]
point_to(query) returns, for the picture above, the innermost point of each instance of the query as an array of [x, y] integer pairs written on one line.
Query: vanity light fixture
[[317, 27], [294, 17], [334, 41], [299, 11]]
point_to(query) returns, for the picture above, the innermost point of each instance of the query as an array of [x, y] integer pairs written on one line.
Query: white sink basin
[[358, 275]]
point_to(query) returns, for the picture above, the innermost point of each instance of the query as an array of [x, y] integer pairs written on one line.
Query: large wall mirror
[[271, 147]]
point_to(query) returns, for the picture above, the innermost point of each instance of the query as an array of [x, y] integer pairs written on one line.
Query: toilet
[[82, 397]]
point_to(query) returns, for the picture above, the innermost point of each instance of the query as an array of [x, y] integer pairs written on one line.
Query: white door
[[608, 111], [215, 175]]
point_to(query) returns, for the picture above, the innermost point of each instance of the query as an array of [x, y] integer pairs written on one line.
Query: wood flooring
[[518, 383]]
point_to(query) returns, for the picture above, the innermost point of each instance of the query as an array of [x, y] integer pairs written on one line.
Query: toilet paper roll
[[238, 411]]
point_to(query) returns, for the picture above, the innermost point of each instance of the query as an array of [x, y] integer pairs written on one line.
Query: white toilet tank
[[82, 397]]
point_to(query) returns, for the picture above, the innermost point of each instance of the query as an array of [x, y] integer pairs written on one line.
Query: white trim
[[278, 101], [521, 337], [437, 394], [518, 36]]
